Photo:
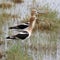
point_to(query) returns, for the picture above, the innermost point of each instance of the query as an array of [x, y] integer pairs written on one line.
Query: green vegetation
[[16, 53], [52, 23]]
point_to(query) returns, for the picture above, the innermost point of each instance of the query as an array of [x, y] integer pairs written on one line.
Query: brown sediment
[[1, 55], [5, 5], [9, 15], [18, 1], [1, 42]]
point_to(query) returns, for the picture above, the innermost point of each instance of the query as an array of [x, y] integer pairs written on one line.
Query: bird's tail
[[10, 37], [13, 28]]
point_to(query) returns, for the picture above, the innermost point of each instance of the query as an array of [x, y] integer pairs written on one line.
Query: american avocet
[[26, 33]]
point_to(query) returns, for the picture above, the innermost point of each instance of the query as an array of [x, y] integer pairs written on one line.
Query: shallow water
[[41, 45]]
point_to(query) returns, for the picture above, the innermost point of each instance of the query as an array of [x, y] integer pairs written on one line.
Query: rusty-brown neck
[[32, 22]]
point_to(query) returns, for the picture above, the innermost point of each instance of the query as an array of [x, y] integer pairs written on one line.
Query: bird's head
[[33, 12]]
